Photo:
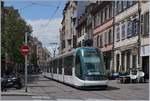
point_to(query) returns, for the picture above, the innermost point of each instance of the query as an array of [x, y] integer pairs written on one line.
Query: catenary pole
[[26, 64]]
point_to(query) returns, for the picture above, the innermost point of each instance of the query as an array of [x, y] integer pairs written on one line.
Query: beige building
[[103, 30], [127, 34], [68, 27], [145, 40]]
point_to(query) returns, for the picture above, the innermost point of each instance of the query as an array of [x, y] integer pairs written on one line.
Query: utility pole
[[139, 36], [26, 80], [3, 32]]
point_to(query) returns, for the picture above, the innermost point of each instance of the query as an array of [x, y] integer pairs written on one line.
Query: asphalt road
[[46, 89]]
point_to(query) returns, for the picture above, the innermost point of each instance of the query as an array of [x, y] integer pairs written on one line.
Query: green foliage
[[13, 35], [33, 59]]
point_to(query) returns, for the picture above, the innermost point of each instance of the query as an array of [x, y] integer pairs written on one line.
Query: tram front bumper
[[95, 83]]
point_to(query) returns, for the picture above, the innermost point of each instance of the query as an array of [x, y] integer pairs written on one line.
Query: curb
[[17, 94]]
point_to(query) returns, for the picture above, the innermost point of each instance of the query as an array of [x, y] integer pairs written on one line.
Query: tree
[[13, 35]]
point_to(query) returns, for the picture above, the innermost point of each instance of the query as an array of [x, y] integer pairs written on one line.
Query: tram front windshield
[[93, 63]]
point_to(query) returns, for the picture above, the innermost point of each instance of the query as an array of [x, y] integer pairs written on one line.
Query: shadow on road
[[92, 88], [100, 88]]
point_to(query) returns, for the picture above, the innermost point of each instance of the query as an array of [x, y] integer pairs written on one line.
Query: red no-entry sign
[[24, 49]]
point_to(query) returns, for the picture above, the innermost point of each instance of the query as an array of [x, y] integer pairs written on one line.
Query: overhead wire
[[50, 19], [55, 11], [29, 5], [46, 5]]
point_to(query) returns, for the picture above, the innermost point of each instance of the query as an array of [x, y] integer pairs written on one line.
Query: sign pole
[[26, 65]]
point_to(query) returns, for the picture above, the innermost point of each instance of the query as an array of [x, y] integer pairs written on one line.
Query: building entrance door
[[145, 65]]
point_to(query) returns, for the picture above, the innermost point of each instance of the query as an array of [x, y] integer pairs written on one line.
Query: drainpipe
[[139, 36], [113, 59]]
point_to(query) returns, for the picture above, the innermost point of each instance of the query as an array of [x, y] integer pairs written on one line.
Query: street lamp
[[54, 48]]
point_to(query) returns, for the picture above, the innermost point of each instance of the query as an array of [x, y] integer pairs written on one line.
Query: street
[[41, 88]]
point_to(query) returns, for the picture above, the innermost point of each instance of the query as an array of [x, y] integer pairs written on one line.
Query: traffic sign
[[24, 50]]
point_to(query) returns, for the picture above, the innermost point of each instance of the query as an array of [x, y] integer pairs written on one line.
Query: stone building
[[103, 30], [84, 25], [145, 40], [126, 42], [68, 27], [68, 34]]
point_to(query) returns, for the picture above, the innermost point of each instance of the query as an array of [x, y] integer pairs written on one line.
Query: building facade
[[120, 29], [103, 30], [145, 40], [127, 35], [84, 25], [68, 27]]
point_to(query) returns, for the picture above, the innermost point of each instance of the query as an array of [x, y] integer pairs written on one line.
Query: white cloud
[[46, 32]]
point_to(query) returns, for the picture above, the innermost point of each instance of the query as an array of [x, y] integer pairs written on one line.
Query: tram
[[82, 67]]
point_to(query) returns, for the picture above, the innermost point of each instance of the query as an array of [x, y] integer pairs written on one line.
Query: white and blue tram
[[81, 67]]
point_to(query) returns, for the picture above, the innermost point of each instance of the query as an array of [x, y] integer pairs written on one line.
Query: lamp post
[[54, 48]]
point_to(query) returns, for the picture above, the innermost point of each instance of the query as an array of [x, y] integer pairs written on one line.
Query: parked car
[[11, 81], [112, 75]]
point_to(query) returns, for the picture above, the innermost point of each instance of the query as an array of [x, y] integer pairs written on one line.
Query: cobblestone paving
[[44, 88]]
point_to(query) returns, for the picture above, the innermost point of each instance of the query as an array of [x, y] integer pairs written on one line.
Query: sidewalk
[[21, 92], [17, 92]]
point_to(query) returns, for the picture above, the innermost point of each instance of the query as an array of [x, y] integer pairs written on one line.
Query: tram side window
[[78, 67], [60, 66], [55, 66], [50, 67], [46, 69], [68, 64]]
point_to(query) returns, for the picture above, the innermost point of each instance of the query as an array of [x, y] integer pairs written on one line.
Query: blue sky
[[43, 17], [33, 9]]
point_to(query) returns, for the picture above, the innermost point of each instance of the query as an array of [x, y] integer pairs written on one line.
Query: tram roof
[[72, 52]]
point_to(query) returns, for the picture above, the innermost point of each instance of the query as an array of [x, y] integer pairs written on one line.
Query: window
[[134, 61], [135, 26], [101, 41], [97, 40], [105, 12], [55, 66], [123, 30], [94, 21], [101, 16], [119, 7], [124, 4], [68, 64], [146, 23], [118, 33], [63, 44], [142, 24], [130, 3], [60, 66], [51, 65], [109, 37], [129, 29], [78, 66], [110, 11], [106, 38]]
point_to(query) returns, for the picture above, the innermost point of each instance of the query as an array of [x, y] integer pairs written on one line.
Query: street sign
[[24, 50]]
